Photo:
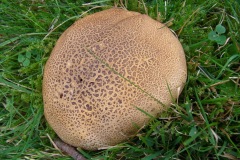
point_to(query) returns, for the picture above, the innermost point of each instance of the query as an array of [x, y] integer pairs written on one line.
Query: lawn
[[203, 124]]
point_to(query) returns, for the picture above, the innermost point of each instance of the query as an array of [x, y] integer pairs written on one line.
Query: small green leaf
[[26, 62], [38, 57], [28, 54], [213, 36], [193, 131], [221, 39], [220, 29], [21, 58]]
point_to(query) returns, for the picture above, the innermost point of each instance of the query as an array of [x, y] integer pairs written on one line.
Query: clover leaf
[[24, 59], [21, 58], [217, 36], [221, 39], [220, 29], [212, 36]]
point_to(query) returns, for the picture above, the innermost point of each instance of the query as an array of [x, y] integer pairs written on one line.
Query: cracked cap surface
[[86, 103]]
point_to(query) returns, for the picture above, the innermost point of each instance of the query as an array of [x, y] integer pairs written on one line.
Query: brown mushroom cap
[[86, 102]]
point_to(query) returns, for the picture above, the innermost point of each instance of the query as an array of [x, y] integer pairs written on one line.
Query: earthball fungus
[[106, 72]]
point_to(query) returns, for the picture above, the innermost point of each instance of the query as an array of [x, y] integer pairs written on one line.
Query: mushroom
[[107, 73]]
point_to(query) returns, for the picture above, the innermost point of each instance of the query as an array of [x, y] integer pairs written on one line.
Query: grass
[[204, 124]]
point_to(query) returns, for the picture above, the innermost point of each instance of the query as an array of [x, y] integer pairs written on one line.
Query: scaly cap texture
[[91, 106]]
